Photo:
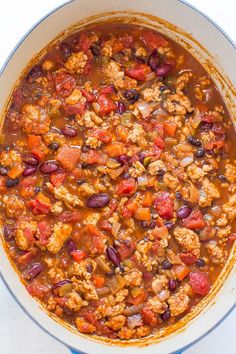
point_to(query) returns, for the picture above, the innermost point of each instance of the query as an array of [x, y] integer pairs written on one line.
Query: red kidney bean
[[70, 246], [169, 225], [34, 270], [148, 225], [29, 170], [54, 146], [113, 256], [184, 211], [200, 263], [166, 315], [172, 284], [59, 284], [31, 160], [166, 265], [121, 107], [48, 167], [142, 156], [126, 175], [97, 200], [123, 159], [34, 73], [164, 70], [8, 232], [178, 196], [131, 95], [69, 131], [3, 171], [154, 60], [65, 51]]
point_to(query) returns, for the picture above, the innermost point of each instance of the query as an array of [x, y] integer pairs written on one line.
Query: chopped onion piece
[[187, 161], [142, 181], [144, 108], [115, 228]]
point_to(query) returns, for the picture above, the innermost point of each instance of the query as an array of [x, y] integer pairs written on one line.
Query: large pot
[[218, 55]]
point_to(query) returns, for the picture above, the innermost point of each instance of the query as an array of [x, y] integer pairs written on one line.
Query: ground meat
[[93, 142], [159, 283], [75, 97], [154, 94], [156, 305], [10, 158], [34, 120], [76, 62], [137, 135], [155, 167], [74, 301], [127, 333], [137, 169], [81, 269], [64, 195], [25, 234], [53, 137], [195, 172], [179, 302], [133, 277], [208, 193], [114, 71], [183, 80], [90, 120], [188, 240], [170, 181], [216, 254], [84, 326], [87, 288], [15, 207], [60, 234], [230, 172], [230, 208], [116, 322], [178, 103]]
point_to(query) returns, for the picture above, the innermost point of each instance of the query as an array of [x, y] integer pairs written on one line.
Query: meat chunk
[[183, 80], [133, 277], [76, 62], [170, 181], [74, 97], [14, 206], [87, 288], [60, 234], [84, 326], [156, 305], [74, 301], [155, 167], [179, 302], [34, 120], [10, 158], [230, 172], [25, 232], [230, 208], [128, 333], [188, 240], [154, 94], [137, 135], [116, 322], [114, 71], [159, 283], [195, 172], [178, 103], [208, 193], [216, 254], [63, 194]]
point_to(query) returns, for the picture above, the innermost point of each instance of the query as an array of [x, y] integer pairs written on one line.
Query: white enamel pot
[[218, 55]]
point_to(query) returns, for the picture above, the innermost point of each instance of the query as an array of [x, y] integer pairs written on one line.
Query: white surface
[[18, 334]]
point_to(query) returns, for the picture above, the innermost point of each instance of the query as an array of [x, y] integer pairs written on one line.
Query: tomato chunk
[[45, 231], [40, 205], [188, 258], [70, 216], [138, 72], [164, 205], [102, 135], [149, 317], [153, 40], [126, 187], [106, 104], [35, 288], [194, 221], [78, 255], [68, 156], [64, 83], [200, 283], [57, 178]]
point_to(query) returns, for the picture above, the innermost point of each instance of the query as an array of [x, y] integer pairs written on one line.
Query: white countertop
[[18, 334]]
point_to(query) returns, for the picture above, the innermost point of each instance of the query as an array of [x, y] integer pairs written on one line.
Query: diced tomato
[[3, 187], [129, 208], [70, 216], [188, 258], [115, 149], [93, 157], [105, 225], [127, 40], [126, 187], [33, 141], [153, 40], [181, 271], [231, 238], [217, 144], [164, 205], [147, 200], [107, 90], [64, 83], [159, 142], [27, 186], [102, 135], [45, 231], [149, 317], [40, 205], [194, 220], [126, 249], [93, 239], [200, 283], [138, 299], [218, 129], [72, 109], [142, 214], [138, 71], [78, 255], [170, 128], [98, 281], [15, 171], [27, 257], [106, 104], [35, 288], [68, 156], [57, 178], [38, 153], [84, 41], [88, 95]]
